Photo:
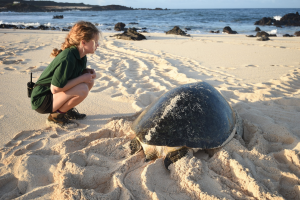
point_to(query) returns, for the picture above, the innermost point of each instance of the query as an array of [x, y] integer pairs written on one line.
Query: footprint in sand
[[8, 62], [10, 53], [251, 66], [35, 68], [10, 68]]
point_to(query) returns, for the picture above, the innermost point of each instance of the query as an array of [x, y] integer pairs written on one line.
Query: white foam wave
[[277, 17], [47, 24], [273, 31], [22, 23]]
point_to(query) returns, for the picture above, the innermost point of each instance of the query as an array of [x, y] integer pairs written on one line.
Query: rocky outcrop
[[263, 38], [290, 19], [41, 27], [177, 31], [130, 34], [228, 30], [265, 21], [215, 31], [257, 29], [287, 35], [262, 33], [119, 26], [297, 33], [58, 17]]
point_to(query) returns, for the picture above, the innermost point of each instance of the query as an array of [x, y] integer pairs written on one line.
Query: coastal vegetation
[[52, 6]]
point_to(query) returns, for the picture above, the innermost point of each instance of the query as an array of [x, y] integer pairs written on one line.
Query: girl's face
[[92, 45]]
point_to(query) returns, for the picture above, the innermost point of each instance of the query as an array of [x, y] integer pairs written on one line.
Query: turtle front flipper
[[174, 156], [135, 146]]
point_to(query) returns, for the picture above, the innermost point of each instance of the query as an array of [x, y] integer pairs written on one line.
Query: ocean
[[200, 21]]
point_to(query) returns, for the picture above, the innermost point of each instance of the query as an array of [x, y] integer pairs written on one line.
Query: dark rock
[[144, 28], [262, 33], [30, 27], [130, 34], [133, 23], [297, 33], [250, 36], [65, 29], [42, 27], [187, 29], [134, 29], [257, 29], [263, 38], [177, 31], [265, 21], [119, 26], [97, 24], [289, 19], [9, 26], [109, 29], [58, 16], [287, 35], [228, 30], [215, 31], [272, 35]]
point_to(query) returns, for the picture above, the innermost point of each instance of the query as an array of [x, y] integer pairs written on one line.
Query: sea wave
[[273, 31], [277, 18], [22, 23]]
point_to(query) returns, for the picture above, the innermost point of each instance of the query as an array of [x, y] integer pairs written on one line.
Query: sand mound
[[265, 165]]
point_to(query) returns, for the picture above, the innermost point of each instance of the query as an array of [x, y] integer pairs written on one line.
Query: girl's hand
[[91, 71], [87, 78]]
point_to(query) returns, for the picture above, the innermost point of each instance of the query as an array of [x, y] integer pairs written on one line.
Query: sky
[[189, 4]]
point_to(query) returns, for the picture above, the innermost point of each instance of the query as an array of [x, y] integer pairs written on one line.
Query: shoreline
[[259, 79], [49, 28]]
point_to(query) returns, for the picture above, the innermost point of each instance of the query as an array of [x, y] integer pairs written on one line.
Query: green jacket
[[65, 66]]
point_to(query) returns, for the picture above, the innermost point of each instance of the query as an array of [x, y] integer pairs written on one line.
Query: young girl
[[66, 82]]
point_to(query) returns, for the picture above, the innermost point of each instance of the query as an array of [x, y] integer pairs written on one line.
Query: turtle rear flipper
[[135, 146], [174, 156]]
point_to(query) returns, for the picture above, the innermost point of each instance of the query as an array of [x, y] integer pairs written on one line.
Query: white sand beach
[[260, 80]]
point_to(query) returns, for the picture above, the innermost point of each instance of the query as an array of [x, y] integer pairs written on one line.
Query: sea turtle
[[192, 116]]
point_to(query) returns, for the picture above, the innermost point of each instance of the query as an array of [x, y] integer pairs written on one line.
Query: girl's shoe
[[74, 114], [61, 120]]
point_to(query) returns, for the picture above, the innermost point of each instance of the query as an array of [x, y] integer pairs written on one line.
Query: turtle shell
[[194, 115]]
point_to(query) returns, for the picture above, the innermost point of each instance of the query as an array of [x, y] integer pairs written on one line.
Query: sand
[[260, 79]]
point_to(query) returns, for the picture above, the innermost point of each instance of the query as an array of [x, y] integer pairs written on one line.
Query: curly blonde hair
[[82, 30]]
